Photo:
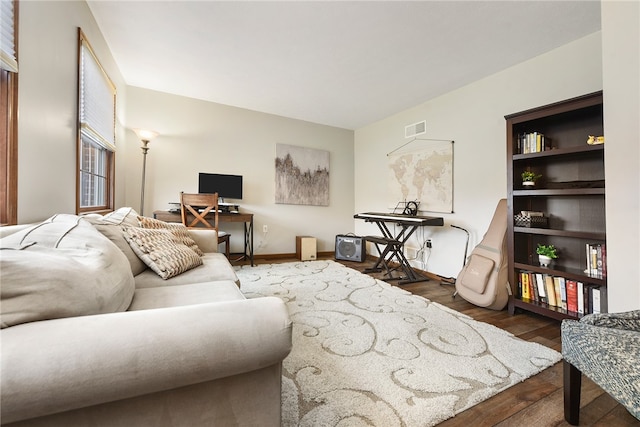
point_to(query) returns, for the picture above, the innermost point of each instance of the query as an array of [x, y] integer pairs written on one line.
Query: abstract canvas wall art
[[302, 175]]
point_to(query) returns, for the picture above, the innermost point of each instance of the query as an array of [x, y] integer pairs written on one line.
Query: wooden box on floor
[[306, 248]]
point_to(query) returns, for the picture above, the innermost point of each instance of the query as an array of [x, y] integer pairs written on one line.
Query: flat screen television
[[227, 186]]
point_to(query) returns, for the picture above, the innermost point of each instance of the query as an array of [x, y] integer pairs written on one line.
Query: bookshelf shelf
[[566, 272], [558, 192], [566, 233], [570, 194], [559, 152]]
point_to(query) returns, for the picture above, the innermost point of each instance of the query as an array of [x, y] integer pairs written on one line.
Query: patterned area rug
[[369, 354]]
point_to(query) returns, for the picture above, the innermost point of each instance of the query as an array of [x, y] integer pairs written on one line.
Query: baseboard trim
[[326, 254], [331, 254]]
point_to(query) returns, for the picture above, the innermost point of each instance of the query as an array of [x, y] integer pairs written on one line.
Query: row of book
[[596, 260], [532, 142], [557, 291]]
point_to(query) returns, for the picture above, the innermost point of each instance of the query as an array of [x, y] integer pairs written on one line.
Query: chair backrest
[[190, 204]]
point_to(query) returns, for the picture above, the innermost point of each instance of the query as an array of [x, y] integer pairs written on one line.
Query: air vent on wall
[[415, 129]]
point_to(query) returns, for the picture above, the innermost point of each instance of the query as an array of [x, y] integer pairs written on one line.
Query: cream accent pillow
[[122, 216], [161, 250], [62, 267], [111, 226], [178, 230]]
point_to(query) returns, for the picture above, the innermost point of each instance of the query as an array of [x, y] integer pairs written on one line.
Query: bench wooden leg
[[572, 378]]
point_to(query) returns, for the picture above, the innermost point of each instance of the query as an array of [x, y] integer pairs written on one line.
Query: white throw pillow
[[111, 226], [62, 267]]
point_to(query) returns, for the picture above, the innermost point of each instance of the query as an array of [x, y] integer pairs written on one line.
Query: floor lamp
[[145, 136]]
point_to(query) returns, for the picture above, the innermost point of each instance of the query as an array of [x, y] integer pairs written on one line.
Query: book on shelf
[[594, 297], [556, 288], [532, 142], [596, 258], [560, 284], [542, 295], [558, 292], [596, 300], [580, 298], [572, 295], [523, 285], [551, 291]]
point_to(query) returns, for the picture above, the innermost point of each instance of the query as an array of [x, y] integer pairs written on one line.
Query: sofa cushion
[[111, 226], [62, 267], [215, 267], [161, 250], [195, 293], [180, 231]]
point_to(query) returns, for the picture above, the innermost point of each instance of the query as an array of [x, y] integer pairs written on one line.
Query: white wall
[[473, 117], [198, 136], [199, 133], [47, 105], [621, 68]]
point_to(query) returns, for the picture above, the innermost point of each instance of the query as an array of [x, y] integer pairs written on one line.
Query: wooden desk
[[246, 218]]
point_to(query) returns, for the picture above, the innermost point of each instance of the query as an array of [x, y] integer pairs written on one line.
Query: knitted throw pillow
[[161, 250], [178, 230]]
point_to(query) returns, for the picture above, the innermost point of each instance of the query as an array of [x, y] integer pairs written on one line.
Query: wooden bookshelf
[[570, 193]]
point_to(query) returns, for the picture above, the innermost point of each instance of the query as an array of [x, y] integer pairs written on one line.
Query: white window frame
[[96, 132]]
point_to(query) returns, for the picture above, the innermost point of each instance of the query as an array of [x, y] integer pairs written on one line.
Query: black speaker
[[350, 248]]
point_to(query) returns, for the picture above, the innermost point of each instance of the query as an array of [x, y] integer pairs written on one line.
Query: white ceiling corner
[[339, 63]]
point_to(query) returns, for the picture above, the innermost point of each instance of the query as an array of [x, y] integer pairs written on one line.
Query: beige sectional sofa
[[91, 336]]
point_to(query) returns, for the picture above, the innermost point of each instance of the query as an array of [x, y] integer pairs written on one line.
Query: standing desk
[[246, 218]]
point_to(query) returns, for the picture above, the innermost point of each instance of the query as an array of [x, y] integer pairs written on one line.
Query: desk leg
[[248, 240], [251, 240]]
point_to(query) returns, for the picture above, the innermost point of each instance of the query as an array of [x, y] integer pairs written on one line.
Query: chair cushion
[[62, 267], [161, 250]]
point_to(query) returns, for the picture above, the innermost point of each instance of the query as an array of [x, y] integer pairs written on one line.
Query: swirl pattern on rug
[[366, 353]]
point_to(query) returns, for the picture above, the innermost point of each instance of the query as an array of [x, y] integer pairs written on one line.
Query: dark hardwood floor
[[537, 401]]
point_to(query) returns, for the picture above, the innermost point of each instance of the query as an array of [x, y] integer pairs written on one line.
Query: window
[[96, 132], [8, 111]]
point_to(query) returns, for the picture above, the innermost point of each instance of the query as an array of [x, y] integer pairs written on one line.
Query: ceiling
[[339, 63]]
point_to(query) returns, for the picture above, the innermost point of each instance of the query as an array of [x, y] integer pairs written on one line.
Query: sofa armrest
[[63, 364], [207, 240]]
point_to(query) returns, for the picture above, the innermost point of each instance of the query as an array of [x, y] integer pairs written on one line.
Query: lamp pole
[[145, 149], [145, 136]]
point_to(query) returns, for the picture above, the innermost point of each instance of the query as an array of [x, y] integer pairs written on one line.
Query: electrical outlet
[[429, 245], [410, 252], [265, 228]]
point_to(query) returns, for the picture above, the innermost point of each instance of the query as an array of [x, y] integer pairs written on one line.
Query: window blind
[[8, 58], [97, 101]]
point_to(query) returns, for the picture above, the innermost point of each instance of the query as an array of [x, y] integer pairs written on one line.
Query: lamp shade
[[145, 134]]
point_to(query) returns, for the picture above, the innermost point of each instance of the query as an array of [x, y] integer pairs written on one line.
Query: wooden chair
[[190, 204]]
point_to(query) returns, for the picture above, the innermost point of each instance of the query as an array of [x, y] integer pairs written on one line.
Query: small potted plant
[[546, 253], [529, 178]]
